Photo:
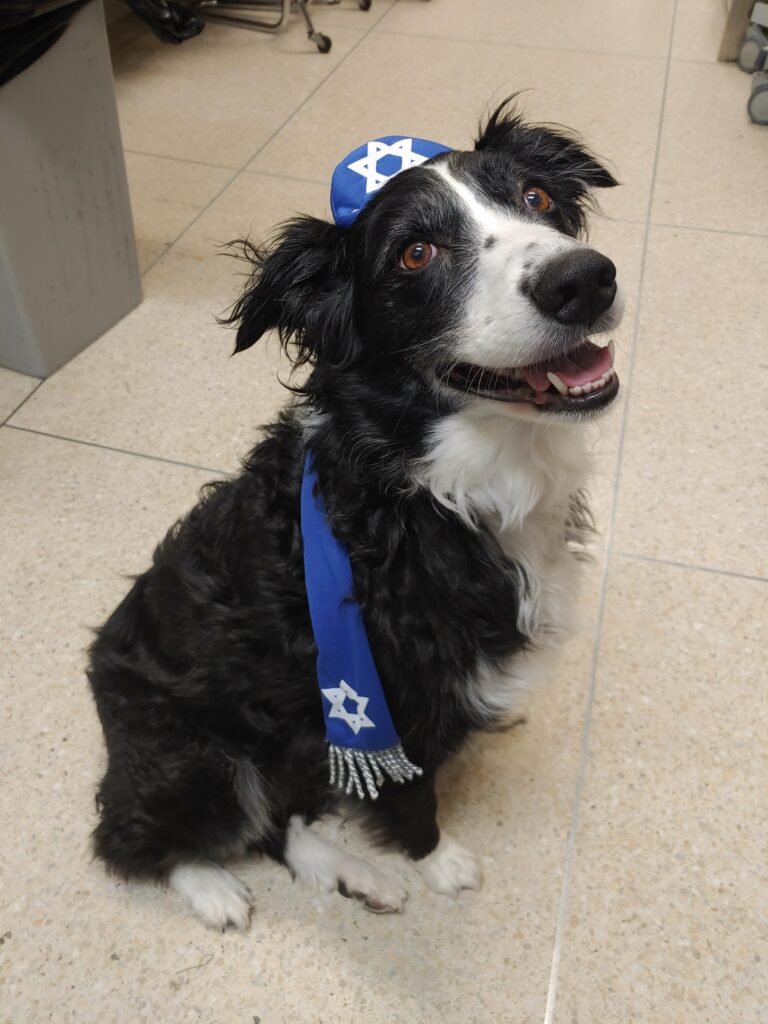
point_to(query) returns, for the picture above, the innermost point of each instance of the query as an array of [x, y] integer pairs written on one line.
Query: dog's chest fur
[[519, 481]]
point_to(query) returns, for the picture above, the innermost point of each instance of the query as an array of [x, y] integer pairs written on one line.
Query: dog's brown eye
[[417, 255], [537, 199]]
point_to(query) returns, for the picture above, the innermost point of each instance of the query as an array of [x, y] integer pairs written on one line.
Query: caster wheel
[[364, 5], [323, 43], [753, 50], [757, 106]]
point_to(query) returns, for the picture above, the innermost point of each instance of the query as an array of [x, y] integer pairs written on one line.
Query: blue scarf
[[363, 743]]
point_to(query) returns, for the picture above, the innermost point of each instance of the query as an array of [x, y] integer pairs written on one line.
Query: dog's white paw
[[378, 892], [320, 864], [450, 868], [218, 898]]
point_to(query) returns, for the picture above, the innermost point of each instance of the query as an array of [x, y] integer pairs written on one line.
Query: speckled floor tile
[[667, 915], [614, 101], [197, 279], [607, 26], [220, 96], [162, 381], [712, 159], [79, 947], [14, 388], [166, 196], [699, 28], [694, 476]]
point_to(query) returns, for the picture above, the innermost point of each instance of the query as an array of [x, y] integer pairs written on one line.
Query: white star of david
[[355, 720], [367, 165]]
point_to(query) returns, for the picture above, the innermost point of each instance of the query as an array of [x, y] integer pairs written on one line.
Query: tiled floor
[[623, 830]]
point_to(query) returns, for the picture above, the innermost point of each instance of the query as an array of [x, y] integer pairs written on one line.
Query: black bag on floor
[[170, 22]]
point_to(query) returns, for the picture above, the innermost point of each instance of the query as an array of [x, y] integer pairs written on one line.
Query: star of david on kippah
[[368, 166]]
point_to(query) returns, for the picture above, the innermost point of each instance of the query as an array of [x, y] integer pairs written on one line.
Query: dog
[[446, 337]]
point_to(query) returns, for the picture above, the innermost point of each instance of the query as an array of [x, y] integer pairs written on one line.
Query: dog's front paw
[[318, 863], [450, 868], [376, 891]]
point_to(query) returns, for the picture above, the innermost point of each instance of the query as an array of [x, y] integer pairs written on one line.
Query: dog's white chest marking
[[517, 478]]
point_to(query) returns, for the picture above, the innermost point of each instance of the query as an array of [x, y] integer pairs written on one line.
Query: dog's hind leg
[[317, 862], [218, 898], [171, 816]]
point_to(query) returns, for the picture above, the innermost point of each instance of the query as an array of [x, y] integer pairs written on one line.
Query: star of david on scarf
[[337, 698]]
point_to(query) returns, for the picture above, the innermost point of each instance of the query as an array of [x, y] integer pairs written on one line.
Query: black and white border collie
[[450, 373]]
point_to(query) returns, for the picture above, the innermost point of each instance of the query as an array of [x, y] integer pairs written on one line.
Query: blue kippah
[[370, 166]]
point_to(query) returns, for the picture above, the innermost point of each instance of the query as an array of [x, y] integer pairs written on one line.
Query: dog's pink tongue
[[586, 364]]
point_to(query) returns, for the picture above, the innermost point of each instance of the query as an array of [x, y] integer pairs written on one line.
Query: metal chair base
[[237, 13]]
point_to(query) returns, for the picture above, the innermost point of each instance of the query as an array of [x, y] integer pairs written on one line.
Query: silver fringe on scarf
[[351, 768]]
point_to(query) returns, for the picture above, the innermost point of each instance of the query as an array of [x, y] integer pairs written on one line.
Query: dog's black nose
[[575, 287]]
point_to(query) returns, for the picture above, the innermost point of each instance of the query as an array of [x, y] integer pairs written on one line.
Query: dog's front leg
[[406, 816]]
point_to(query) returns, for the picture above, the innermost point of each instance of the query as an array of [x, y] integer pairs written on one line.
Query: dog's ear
[[299, 286], [542, 145]]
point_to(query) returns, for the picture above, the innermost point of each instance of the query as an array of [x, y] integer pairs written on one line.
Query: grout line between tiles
[[516, 46], [264, 144], [287, 177], [25, 399], [141, 28], [690, 566], [119, 451], [188, 226], [712, 231], [126, 42], [182, 160], [570, 848]]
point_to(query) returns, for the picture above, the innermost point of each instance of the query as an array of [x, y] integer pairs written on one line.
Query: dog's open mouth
[[584, 379]]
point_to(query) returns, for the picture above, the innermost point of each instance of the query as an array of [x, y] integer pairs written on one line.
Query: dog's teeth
[[586, 388], [555, 381], [577, 389], [611, 349]]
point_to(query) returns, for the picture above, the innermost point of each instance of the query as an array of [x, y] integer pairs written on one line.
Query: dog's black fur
[[206, 670], [210, 660]]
